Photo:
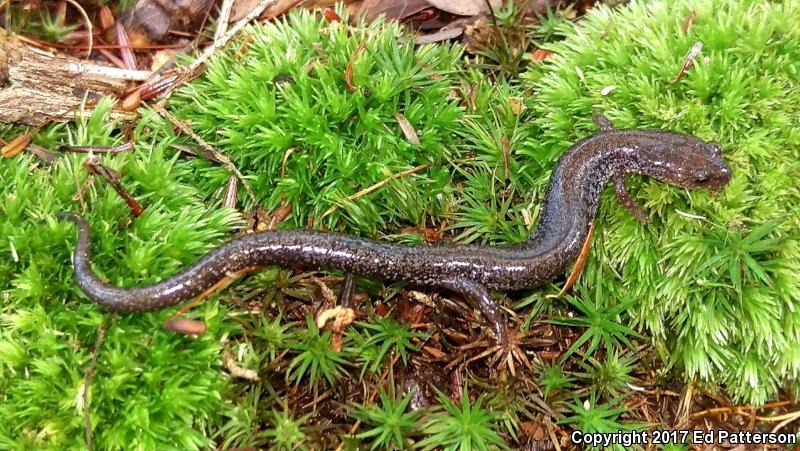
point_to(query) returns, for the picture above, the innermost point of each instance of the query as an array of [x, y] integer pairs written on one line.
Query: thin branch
[[88, 25], [186, 130], [736, 409], [87, 382], [379, 185], [783, 423], [224, 18], [230, 34]]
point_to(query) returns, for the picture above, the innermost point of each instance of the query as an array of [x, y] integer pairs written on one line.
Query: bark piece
[[39, 86]]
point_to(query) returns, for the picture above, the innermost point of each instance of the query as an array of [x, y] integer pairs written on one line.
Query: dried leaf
[[106, 17], [465, 7], [16, 145], [393, 9], [42, 153], [687, 23], [408, 129], [132, 101], [688, 61], [231, 192], [185, 326], [125, 47], [516, 104], [441, 35], [540, 55]]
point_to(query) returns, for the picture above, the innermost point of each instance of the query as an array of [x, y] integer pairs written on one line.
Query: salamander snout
[[710, 179], [714, 172], [685, 161]]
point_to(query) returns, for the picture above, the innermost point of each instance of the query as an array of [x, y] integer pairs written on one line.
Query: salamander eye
[[715, 149], [701, 177]]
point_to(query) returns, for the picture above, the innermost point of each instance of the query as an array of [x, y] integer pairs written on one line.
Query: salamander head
[[685, 161]]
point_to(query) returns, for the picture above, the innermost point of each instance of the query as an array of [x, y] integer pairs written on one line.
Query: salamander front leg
[[480, 295], [602, 122], [626, 199]]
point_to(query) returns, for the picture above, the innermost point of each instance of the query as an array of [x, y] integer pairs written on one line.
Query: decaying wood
[[39, 86]]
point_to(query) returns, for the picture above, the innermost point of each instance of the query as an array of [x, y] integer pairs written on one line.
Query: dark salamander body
[[568, 212]]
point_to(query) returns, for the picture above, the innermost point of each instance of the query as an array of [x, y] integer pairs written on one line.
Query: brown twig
[[736, 409], [94, 166], [88, 26], [97, 149], [379, 185], [186, 130], [87, 382], [230, 34], [348, 71], [223, 19]]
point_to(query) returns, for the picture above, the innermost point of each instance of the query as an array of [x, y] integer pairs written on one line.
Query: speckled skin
[[569, 208]]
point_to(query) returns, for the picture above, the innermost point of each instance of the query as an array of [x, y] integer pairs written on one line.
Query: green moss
[[720, 293], [152, 388], [280, 107]]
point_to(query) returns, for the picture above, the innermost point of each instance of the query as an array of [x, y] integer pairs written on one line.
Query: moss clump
[[152, 389], [279, 104], [713, 276]]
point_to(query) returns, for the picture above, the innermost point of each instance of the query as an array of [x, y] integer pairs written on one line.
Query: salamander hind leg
[[625, 199], [480, 295], [347, 291]]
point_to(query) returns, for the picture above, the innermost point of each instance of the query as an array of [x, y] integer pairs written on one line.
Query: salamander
[[566, 220]]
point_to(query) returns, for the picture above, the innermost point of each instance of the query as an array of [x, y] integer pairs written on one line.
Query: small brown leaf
[[132, 101], [16, 145], [540, 55], [441, 35], [106, 17], [185, 326], [465, 7], [331, 16], [408, 129], [687, 23], [516, 104]]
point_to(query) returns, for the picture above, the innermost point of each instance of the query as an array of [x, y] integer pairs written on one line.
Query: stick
[[206, 146], [379, 185], [87, 382]]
